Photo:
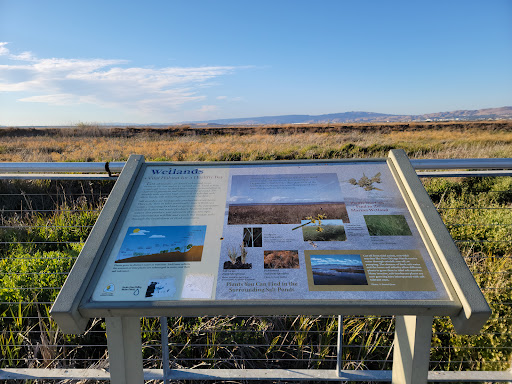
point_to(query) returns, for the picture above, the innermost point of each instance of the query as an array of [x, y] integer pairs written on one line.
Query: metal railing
[[45, 218], [90, 171]]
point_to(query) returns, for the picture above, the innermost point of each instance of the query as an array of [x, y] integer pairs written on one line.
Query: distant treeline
[[185, 130]]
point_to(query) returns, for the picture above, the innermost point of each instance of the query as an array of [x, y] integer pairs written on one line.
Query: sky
[[285, 188], [320, 260], [103, 62]]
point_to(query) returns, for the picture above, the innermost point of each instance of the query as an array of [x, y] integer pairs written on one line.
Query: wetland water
[[334, 275]]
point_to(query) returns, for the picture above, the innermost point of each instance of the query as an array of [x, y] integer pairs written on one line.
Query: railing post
[[124, 350], [165, 349], [339, 351], [411, 353]]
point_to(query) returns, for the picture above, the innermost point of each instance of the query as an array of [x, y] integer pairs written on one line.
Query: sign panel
[[330, 231]]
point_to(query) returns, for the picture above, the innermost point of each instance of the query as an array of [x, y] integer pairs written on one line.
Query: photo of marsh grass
[[338, 269], [387, 225], [284, 213], [281, 259], [329, 230]]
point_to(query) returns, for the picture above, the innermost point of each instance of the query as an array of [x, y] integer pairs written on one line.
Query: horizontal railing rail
[[90, 170], [84, 167]]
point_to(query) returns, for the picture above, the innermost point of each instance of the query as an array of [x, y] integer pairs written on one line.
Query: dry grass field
[[419, 140], [284, 213]]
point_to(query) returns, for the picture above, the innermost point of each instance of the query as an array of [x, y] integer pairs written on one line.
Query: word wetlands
[[174, 171]]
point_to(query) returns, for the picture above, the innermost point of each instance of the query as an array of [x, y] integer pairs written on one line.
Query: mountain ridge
[[368, 117]]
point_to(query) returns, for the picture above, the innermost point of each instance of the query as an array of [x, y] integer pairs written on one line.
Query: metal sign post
[[124, 350]]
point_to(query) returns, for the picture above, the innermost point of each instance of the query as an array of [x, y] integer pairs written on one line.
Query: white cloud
[[207, 108], [57, 99], [140, 232], [24, 56], [3, 49], [104, 82], [157, 237], [229, 99], [278, 198], [234, 199]]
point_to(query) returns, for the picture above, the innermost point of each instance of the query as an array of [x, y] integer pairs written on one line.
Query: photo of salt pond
[[337, 269]]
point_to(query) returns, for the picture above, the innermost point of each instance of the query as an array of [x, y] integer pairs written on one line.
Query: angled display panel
[[321, 237]]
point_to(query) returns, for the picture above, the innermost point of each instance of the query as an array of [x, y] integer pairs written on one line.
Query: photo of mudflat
[[281, 259], [284, 213], [387, 225], [327, 231], [162, 244], [338, 269]]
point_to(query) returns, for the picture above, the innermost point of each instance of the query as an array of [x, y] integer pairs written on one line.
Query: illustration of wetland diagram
[[162, 244]]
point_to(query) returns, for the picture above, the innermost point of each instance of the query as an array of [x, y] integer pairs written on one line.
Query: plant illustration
[[237, 258], [232, 255], [367, 183], [243, 254]]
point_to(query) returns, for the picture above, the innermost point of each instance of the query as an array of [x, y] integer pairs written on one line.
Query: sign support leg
[[411, 353], [124, 350], [165, 349]]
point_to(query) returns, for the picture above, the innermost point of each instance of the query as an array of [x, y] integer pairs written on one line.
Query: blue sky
[[285, 188], [321, 260], [64, 62]]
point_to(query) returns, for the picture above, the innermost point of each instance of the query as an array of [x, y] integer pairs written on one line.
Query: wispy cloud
[[3, 49], [104, 82]]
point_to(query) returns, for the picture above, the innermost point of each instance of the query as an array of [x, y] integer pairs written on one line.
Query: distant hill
[[475, 114], [368, 117]]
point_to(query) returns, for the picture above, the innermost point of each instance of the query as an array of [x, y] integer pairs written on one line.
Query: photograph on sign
[[325, 230], [376, 270], [284, 198], [337, 269], [281, 259]]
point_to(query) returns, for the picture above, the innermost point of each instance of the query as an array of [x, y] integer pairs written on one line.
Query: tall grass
[[477, 142]]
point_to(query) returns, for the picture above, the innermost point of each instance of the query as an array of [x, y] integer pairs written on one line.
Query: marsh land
[[44, 225], [419, 140]]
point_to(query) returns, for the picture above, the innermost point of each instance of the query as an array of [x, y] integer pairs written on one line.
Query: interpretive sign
[[268, 238], [315, 231]]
